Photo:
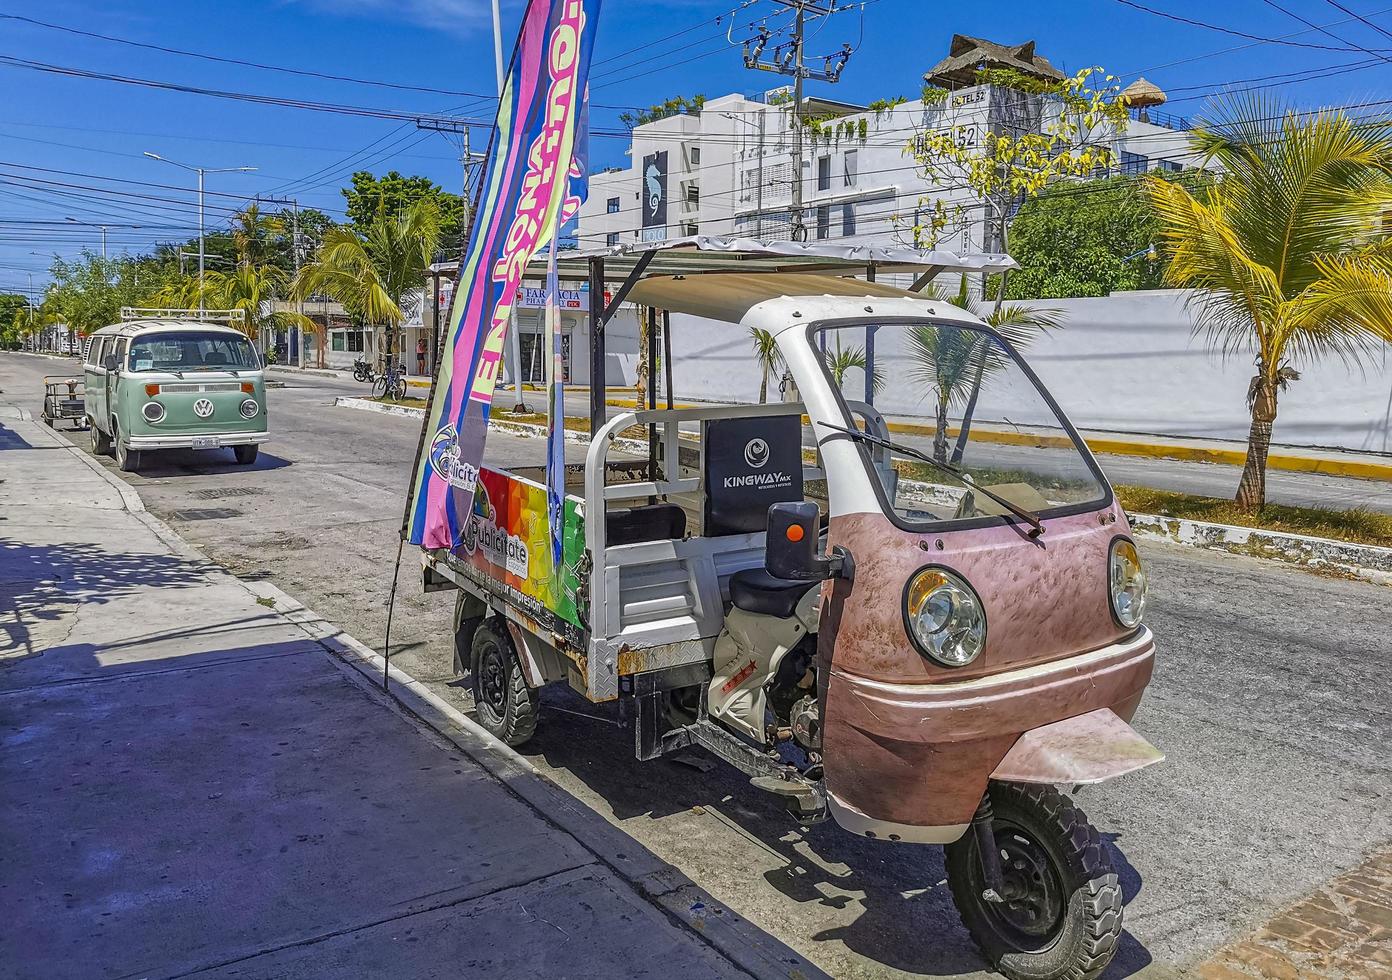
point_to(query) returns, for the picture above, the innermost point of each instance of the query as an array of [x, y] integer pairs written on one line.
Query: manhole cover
[[215, 493], [207, 514]]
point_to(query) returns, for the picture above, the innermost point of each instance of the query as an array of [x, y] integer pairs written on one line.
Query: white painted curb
[[1368, 562]]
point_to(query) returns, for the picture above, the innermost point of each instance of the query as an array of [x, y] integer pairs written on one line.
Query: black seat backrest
[[750, 464], [653, 522]]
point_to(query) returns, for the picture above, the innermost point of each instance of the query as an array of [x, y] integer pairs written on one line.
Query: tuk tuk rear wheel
[[505, 705], [1062, 913]]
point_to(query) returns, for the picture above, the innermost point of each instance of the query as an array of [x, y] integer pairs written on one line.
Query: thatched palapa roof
[[968, 55]]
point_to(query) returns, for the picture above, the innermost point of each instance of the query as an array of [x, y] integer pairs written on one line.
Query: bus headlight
[[944, 617], [250, 408], [1127, 581], [153, 412]]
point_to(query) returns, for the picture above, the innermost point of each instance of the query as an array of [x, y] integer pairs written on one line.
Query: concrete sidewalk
[[193, 785]]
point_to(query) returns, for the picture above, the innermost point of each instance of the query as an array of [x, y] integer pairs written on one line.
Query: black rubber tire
[[127, 459], [246, 455], [1083, 942], [100, 444], [379, 388], [505, 705]]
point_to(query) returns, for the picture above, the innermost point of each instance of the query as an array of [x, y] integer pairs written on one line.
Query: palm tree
[[371, 269], [843, 359], [253, 290], [251, 235], [952, 362], [1288, 251], [769, 357]]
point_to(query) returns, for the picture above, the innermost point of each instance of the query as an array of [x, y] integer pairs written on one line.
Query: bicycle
[[391, 384]]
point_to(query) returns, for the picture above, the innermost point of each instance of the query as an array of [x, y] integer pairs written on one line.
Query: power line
[[1325, 31], [338, 108], [1359, 17], [1227, 30]]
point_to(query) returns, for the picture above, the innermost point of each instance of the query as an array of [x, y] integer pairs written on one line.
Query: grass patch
[[404, 403], [1357, 525]]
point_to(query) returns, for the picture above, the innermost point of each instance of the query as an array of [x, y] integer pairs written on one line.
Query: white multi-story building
[[728, 169]]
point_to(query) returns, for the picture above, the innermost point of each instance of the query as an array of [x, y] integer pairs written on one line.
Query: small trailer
[[65, 399], [918, 643]]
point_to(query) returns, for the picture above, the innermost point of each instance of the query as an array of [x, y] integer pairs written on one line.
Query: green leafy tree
[[1039, 131], [1089, 239], [1289, 252], [88, 292], [954, 362], [371, 267], [769, 357], [394, 195]]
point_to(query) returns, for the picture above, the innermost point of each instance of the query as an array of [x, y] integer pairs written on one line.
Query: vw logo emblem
[[203, 408], [756, 453]]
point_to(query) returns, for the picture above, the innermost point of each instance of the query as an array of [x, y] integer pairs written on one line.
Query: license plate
[[206, 442]]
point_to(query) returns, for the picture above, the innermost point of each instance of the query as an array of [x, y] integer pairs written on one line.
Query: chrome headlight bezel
[[961, 636], [255, 408], [159, 412], [1127, 583]]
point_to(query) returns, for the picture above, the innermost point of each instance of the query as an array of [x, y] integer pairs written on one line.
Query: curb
[[744, 944], [1367, 562], [1330, 465], [321, 372]]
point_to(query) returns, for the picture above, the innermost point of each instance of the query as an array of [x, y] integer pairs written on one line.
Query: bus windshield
[[973, 408], [192, 350]]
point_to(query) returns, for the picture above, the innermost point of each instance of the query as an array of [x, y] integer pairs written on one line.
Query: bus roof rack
[[197, 316]]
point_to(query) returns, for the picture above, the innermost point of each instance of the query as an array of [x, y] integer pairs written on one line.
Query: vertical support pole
[[651, 314], [667, 354], [597, 358], [519, 404], [870, 330]]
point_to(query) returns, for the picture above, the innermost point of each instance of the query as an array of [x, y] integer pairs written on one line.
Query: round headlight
[[1127, 580], [944, 617], [250, 408], [153, 412]]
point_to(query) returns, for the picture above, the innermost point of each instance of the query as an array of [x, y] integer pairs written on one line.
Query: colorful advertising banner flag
[[533, 182]]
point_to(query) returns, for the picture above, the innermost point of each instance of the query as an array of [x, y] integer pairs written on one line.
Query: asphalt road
[[1271, 697]]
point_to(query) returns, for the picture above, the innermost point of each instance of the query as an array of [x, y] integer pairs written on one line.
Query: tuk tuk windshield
[[971, 405], [192, 350]]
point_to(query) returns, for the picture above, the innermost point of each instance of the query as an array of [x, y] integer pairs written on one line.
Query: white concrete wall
[[1128, 362]]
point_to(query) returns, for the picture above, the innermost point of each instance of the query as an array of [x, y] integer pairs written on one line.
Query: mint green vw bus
[[164, 380]]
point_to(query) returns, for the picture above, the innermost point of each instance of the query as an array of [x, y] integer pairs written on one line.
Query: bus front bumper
[[216, 440]]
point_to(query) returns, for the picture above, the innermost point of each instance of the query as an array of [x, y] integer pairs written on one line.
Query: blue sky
[[93, 127]]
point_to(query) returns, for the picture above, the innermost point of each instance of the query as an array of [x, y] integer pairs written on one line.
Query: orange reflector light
[[794, 532], [248, 388], [152, 390]]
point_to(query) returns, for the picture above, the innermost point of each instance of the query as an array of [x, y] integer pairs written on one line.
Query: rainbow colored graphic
[[533, 182]]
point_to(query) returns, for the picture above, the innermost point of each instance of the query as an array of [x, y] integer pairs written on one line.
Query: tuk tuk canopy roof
[[710, 254], [729, 297]]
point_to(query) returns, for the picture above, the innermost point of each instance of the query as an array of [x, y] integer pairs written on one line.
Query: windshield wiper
[[1029, 517]]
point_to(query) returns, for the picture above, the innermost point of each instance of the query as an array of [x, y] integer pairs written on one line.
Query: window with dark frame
[[823, 173], [612, 206], [612, 238], [849, 161], [823, 222], [848, 219], [1133, 163]]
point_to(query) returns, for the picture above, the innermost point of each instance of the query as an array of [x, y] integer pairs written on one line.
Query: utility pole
[[103, 231], [295, 257], [789, 59]]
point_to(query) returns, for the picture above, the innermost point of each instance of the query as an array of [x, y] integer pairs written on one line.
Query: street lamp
[[200, 171], [102, 227]]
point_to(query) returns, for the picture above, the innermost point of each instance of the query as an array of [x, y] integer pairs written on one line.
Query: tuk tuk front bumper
[[911, 761]]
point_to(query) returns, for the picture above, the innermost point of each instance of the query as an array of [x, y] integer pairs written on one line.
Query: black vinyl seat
[[653, 522], [755, 590]]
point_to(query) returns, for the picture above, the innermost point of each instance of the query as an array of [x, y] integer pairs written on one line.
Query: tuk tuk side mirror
[[111, 363], [790, 549]]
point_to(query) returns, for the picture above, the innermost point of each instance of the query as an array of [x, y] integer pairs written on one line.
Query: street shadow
[[197, 462], [10, 439], [907, 919], [40, 585]]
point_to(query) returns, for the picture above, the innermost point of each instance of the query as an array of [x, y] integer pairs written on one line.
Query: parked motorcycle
[[362, 371]]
